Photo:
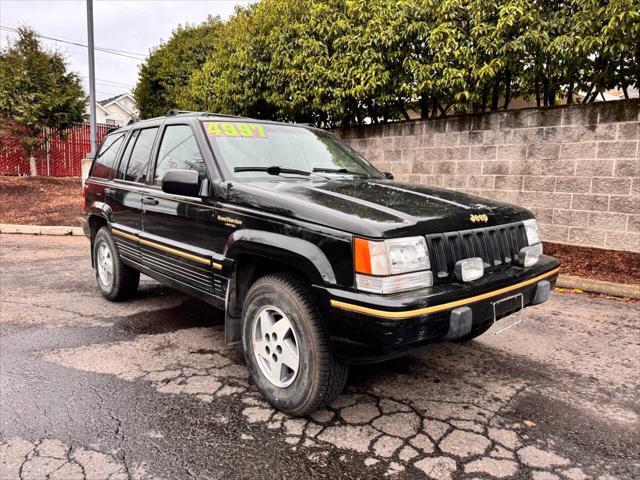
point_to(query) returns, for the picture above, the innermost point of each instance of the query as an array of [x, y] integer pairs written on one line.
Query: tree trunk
[[495, 94], [570, 92], [626, 93], [545, 90], [588, 94], [403, 111], [424, 107], [485, 94], [33, 167], [507, 92]]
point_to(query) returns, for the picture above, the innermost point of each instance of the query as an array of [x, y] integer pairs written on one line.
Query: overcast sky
[[127, 25]]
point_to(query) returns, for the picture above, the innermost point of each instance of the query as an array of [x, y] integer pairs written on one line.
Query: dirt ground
[[58, 201], [41, 200], [597, 263]]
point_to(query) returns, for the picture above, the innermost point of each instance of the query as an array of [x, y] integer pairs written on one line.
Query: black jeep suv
[[317, 258]]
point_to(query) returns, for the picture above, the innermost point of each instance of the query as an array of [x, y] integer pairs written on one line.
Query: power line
[[111, 94], [109, 82], [112, 51]]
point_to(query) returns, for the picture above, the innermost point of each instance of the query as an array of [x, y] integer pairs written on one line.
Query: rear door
[[181, 238], [127, 191]]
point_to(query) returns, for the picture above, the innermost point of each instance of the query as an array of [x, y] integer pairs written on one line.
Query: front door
[[127, 191], [179, 238]]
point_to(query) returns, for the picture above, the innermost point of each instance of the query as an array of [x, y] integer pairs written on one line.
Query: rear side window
[[106, 158], [137, 163], [178, 150]]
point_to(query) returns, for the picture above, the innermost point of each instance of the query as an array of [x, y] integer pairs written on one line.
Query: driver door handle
[[150, 201]]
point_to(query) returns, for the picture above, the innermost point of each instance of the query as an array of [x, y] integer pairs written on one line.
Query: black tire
[[474, 334], [320, 377], [125, 280]]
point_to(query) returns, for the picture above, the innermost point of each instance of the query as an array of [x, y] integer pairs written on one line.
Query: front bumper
[[367, 328]]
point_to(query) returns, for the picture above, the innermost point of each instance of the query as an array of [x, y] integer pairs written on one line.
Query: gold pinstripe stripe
[[159, 246], [125, 234], [437, 308]]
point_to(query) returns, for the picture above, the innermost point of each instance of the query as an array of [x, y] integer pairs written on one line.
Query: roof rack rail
[[175, 112]]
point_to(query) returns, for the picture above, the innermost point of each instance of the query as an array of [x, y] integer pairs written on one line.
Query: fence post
[[47, 150]]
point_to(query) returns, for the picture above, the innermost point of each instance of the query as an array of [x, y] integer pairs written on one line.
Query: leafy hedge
[[346, 62]]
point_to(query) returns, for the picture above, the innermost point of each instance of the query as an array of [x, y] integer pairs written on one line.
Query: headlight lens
[[533, 232], [390, 257], [390, 266]]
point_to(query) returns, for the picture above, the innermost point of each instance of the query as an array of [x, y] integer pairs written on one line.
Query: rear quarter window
[[105, 159]]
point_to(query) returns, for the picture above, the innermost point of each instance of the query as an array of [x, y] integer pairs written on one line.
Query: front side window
[[263, 145], [105, 160], [124, 161], [138, 161], [178, 150]]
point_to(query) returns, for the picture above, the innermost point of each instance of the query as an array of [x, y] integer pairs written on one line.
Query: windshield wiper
[[340, 170], [273, 170]]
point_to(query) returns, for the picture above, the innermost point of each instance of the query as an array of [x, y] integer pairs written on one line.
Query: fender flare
[[98, 210], [268, 244], [101, 209]]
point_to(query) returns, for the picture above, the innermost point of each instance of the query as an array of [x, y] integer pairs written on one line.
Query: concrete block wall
[[576, 167]]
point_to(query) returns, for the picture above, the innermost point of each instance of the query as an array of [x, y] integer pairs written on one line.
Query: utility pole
[[92, 78]]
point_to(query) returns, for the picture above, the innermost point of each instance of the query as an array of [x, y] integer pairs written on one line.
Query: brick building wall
[[577, 168]]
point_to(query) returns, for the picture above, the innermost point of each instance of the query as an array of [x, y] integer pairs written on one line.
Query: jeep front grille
[[497, 246]]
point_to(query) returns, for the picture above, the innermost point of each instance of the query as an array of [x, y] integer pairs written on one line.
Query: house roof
[[110, 100], [99, 105]]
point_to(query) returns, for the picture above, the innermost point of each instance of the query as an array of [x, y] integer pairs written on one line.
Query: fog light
[[529, 256], [469, 269]]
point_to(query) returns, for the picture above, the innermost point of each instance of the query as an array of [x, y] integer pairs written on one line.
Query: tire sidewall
[[104, 237], [289, 398]]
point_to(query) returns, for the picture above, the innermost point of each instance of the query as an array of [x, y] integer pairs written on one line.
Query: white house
[[117, 110]]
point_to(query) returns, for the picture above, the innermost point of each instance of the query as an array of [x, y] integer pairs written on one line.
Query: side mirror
[[389, 175], [182, 182]]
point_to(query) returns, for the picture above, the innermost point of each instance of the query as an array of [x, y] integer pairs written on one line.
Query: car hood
[[372, 207]]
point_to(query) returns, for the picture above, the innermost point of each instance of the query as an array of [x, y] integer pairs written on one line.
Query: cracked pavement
[[147, 389]]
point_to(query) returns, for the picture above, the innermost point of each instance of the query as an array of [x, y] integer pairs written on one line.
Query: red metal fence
[[60, 156]]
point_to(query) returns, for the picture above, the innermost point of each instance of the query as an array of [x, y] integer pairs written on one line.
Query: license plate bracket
[[505, 305]]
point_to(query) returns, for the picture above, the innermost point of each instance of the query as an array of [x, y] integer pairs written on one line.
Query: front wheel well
[[248, 269]]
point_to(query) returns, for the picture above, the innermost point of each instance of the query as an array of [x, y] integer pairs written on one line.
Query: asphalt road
[[147, 389]]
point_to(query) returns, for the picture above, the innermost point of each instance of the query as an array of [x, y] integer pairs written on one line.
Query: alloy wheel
[[275, 346]]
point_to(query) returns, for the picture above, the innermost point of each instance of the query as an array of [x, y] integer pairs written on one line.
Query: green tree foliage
[[165, 74], [36, 91], [346, 62]]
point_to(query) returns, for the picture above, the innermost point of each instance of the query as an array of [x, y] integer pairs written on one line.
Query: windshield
[[249, 149]]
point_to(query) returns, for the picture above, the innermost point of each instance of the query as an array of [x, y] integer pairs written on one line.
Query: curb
[[599, 286], [41, 230]]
